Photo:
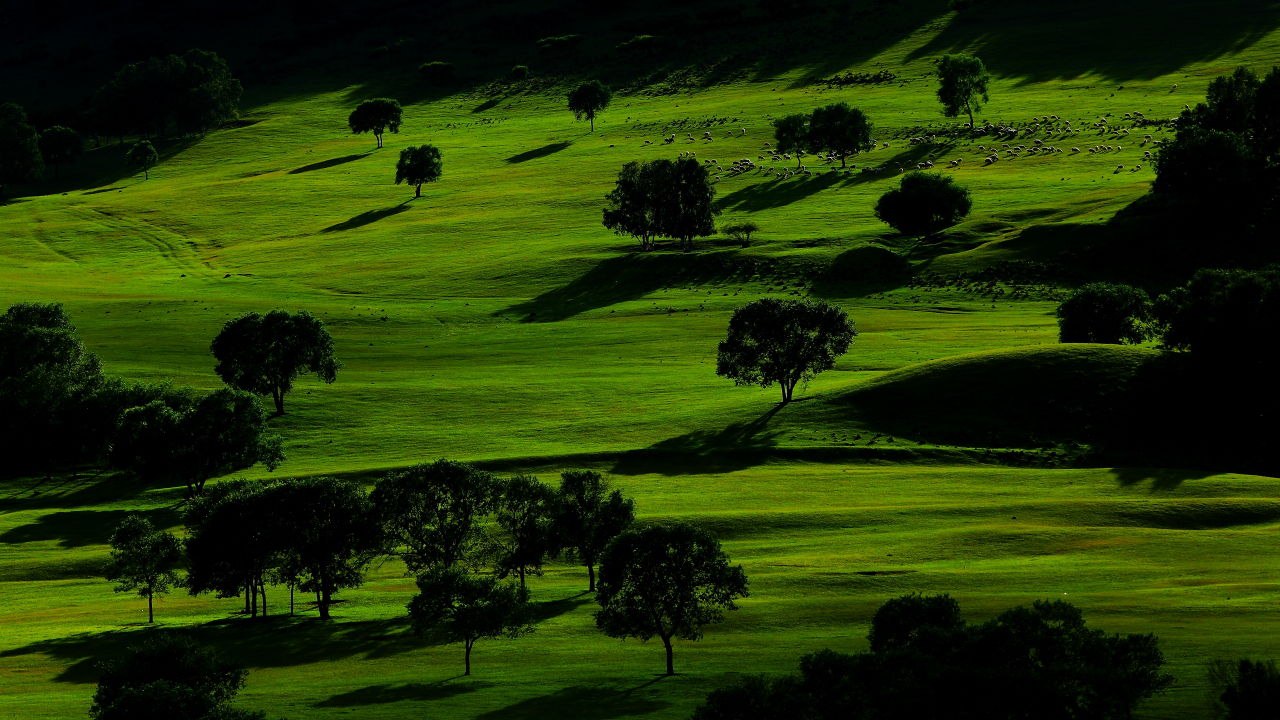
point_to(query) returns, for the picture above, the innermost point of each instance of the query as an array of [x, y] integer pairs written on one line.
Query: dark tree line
[[183, 94], [836, 129]]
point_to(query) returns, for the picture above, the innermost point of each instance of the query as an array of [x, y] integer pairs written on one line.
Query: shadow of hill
[[585, 702], [634, 275], [1118, 41], [735, 447], [367, 218], [536, 153], [412, 692], [78, 528], [332, 162], [1161, 478], [862, 271]]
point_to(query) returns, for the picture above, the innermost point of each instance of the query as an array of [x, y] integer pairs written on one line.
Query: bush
[[924, 204], [1105, 313], [519, 72], [437, 72]]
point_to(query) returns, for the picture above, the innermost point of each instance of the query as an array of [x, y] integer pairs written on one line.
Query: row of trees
[[461, 531], [837, 129]]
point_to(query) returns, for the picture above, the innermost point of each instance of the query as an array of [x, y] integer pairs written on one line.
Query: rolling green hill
[[495, 320]]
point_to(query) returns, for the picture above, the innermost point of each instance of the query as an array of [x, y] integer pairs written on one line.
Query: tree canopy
[[784, 342], [588, 99], [264, 354], [467, 608], [791, 134], [523, 519], [962, 85], [666, 581], [142, 155], [188, 93], [20, 159], [588, 515], [662, 199], [432, 513], [60, 145], [840, 130], [1228, 315], [418, 164], [924, 204], [1105, 313], [168, 676], [376, 115], [143, 559]]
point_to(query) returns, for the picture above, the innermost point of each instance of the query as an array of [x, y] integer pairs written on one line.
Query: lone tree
[[662, 198], [791, 134], [589, 514], [523, 518], [376, 116], [466, 608], [60, 144], [840, 130], [1105, 313], [741, 232], [263, 354], [143, 559], [667, 581], [962, 85], [19, 147], [142, 155], [432, 514], [924, 204], [168, 676], [418, 164], [784, 342], [588, 99]]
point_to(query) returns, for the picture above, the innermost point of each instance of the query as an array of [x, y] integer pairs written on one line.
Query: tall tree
[[687, 209], [376, 116], [59, 145], [923, 204], [523, 519], [168, 676], [467, 608], [962, 85], [588, 99], [143, 559], [433, 514], [662, 198], [418, 164], [840, 130], [791, 134], [784, 342], [631, 210], [236, 538], [264, 354], [589, 514], [142, 155], [1105, 313], [667, 581], [19, 147]]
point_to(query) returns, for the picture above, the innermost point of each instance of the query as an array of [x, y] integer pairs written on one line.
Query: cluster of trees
[[20, 157], [787, 342], [836, 129], [175, 94], [662, 199], [418, 164], [925, 661]]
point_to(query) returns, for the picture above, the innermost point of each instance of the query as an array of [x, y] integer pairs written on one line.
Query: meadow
[[494, 320]]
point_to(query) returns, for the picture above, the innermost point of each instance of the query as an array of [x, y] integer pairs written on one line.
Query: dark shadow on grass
[[735, 447], [582, 702], [368, 218], [777, 192], [489, 104], [412, 692], [329, 163], [1162, 479], [102, 190], [540, 612], [78, 528], [536, 153]]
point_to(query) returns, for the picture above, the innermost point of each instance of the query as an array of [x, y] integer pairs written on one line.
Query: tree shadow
[[489, 104], [389, 693], [581, 702], [367, 218], [78, 528], [1116, 41], [543, 611], [735, 447], [543, 151], [332, 162], [776, 193], [1162, 479]]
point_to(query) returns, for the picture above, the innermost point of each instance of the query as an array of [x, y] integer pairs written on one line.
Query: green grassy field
[[495, 320]]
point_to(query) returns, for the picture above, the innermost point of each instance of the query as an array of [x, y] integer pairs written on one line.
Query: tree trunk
[[278, 396], [263, 589], [326, 597], [246, 598], [253, 599], [469, 643], [291, 585], [521, 577], [378, 136], [151, 613], [591, 577], [592, 118], [970, 109], [417, 190], [666, 642]]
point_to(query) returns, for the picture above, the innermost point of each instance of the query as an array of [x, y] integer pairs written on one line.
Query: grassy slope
[[426, 301]]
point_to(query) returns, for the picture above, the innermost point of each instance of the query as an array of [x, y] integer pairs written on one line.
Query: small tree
[[142, 155], [791, 135], [924, 204], [418, 165], [588, 99], [667, 581], [741, 232], [59, 145], [376, 116], [432, 514], [263, 354], [784, 342], [589, 514], [143, 559], [168, 676], [840, 130], [524, 517], [20, 159], [468, 608], [1105, 313], [962, 85]]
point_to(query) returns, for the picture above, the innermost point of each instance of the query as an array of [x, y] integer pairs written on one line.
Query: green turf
[[495, 320]]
